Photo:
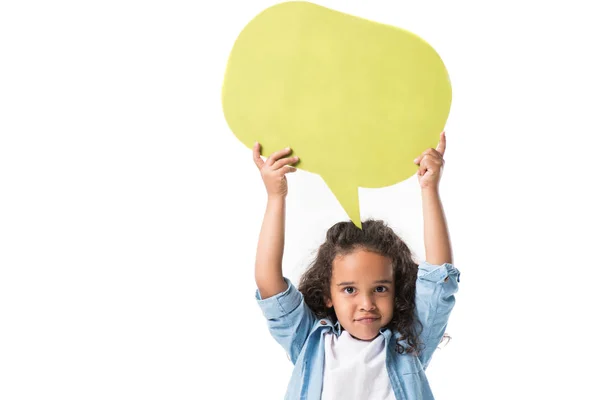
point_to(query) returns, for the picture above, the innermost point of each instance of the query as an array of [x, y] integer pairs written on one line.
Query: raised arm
[[437, 239], [437, 280], [268, 271]]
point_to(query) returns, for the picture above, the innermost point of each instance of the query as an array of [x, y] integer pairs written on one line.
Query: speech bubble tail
[[347, 196]]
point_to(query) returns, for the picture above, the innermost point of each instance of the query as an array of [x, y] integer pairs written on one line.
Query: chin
[[365, 336], [368, 339]]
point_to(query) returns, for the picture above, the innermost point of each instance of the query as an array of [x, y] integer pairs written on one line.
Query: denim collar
[[337, 328]]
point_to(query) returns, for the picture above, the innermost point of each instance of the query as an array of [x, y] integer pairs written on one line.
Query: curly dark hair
[[376, 236]]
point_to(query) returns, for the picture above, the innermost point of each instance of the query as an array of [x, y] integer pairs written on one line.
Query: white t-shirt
[[355, 369]]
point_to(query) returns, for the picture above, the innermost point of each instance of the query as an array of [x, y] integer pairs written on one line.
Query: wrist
[[430, 191], [275, 199]]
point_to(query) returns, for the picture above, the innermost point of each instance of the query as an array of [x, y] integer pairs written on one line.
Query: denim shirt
[[295, 327]]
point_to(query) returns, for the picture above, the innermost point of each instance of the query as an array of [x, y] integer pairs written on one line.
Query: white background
[[129, 212]]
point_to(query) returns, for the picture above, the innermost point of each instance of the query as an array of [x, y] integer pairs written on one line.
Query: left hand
[[431, 163]]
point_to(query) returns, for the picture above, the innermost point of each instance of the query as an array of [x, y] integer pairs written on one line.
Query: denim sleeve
[[289, 319], [434, 302]]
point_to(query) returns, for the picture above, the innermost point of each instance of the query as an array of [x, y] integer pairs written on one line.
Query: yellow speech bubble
[[356, 100]]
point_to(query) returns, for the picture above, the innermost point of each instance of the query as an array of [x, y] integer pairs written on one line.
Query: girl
[[365, 319]]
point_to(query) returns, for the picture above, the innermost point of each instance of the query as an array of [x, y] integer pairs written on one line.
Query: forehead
[[361, 265]]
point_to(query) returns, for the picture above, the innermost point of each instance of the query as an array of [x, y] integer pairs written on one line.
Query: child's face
[[362, 285]]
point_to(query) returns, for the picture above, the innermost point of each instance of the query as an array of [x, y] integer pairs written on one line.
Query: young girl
[[365, 319]]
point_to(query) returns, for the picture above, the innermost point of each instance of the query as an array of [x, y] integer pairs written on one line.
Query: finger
[[424, 164], [256, 154], [432, 163], [277, 155], [429, 152], [433, 153], [285, 161], [441, 147], [288, 169]]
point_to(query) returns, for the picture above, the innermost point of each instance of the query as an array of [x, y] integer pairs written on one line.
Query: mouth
[[366, 321]]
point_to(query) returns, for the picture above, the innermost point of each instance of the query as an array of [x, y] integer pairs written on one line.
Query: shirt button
[[323, 323]]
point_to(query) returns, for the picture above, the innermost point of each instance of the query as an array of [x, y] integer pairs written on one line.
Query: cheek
[[387, 303], [342, 305]]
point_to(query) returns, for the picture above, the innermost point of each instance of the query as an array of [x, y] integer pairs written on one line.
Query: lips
[[366, 321], [368, 317]]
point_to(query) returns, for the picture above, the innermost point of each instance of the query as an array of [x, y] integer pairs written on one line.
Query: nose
[[367, 303]]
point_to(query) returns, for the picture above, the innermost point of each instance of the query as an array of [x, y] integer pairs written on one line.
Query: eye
[[348, 288], [383, 289]]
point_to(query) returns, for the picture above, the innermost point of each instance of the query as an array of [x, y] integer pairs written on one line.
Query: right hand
[[273, 170]]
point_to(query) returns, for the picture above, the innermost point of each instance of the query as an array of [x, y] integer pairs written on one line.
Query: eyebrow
[[352, 283]]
